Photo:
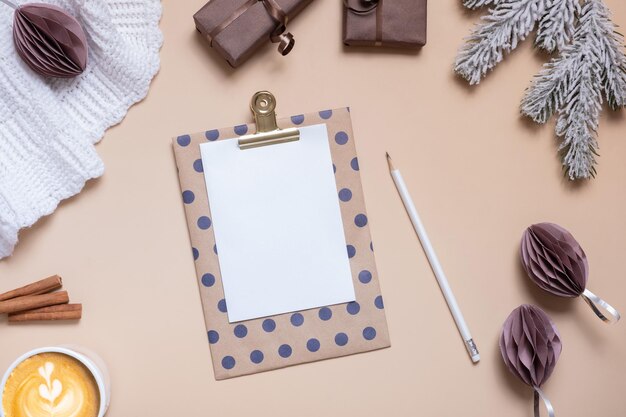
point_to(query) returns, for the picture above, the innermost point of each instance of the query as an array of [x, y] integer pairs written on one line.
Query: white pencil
[[434, 262]]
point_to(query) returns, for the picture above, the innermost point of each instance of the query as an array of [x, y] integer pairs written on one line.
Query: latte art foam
[[51, 385]]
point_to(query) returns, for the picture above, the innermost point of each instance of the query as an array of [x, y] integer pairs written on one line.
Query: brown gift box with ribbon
[[395, 23], [236, 28]]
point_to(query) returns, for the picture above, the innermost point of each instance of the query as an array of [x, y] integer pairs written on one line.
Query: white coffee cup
[[91, 361]]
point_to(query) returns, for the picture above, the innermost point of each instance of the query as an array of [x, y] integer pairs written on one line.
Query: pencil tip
[[390, 162]]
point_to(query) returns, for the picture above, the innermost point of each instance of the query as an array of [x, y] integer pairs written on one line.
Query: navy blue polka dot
[[284, 351], [334, 169], [351, 251], [204, 222], [228, 362], [241, 331], [345, 194], [341, 138], [212, 135], [241, 129], [365, 276], [326, 114], [297, 120], [208, 280], [313, 345], [354, 164], [378, 302], [297, 319], [188, 196], [353, 308], [197, 165], [341, 339], [256, 356], [183, 140], [221, 306], [325, 313], [269, 325], [360, 220], [196, 254], [215, 249], [369, 333], [372, 246], [214, 337]]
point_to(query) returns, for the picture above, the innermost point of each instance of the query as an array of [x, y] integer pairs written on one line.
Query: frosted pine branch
[[615, 82], [591, 66], [545, 95], [507, 24], [572, 84], [556, 27], [578, 120], [475, 4], [612, 59]]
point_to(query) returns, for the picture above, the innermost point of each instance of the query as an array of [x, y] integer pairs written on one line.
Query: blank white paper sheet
[[277, 225]]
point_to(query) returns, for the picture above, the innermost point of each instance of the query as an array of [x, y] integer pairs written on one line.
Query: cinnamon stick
[[40, 287], [30, 302], [57, 312]]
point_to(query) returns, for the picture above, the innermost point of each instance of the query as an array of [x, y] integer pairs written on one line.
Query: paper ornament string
[[530, 347], [49, 40], [556, 262]]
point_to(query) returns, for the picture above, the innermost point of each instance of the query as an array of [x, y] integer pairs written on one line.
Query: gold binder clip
[[263, 106]]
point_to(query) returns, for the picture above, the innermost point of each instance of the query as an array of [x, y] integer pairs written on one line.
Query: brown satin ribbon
[[378, 5], [285, 40]]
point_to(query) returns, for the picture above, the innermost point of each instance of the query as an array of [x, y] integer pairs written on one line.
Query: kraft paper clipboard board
[[276, 341]]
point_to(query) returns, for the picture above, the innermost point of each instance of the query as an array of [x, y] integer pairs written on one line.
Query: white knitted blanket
[[48, 127]]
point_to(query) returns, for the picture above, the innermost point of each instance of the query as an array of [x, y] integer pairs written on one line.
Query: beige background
[[478, 173]]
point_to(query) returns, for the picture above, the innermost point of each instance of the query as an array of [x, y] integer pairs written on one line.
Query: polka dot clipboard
[[283, 340]]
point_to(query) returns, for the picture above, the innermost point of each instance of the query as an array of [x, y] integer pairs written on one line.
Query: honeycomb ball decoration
[[49, 40], [530, 345], [554, 260]]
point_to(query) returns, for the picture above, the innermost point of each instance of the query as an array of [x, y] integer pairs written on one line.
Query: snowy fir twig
[[508, 23], [475, 4], [556, 27], [573, 84], [590, 67]]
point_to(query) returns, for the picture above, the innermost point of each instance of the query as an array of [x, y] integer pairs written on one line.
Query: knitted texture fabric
[[48, 127]]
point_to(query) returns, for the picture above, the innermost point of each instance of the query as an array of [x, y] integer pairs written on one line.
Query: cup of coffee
[[59, 381]]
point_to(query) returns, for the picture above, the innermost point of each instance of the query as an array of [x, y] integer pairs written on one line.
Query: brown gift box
[[236, 28], [395, 23]]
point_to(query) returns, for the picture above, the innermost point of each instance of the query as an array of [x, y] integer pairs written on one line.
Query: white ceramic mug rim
[[93, 369]]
